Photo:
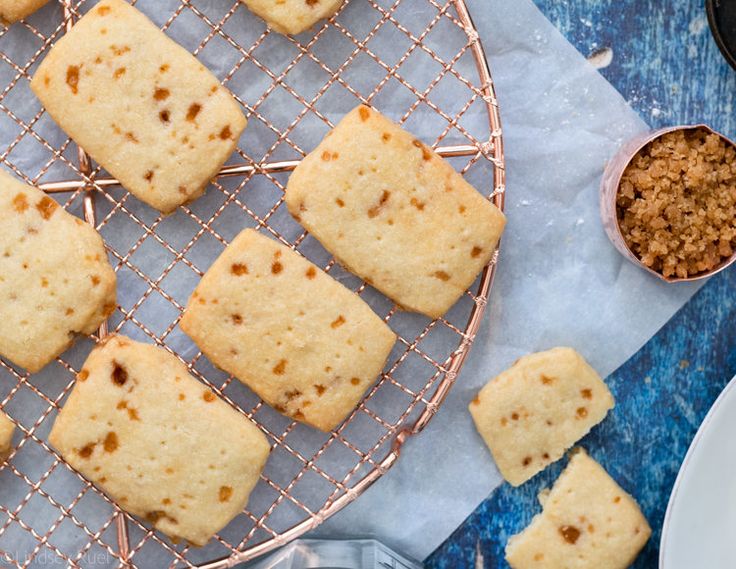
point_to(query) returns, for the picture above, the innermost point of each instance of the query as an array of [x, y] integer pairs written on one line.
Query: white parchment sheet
[[559, 282]]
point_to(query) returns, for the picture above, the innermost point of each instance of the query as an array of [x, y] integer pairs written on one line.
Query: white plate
[[699, 528]]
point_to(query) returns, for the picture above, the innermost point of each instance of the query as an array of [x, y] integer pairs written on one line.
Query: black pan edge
[[711, 6]]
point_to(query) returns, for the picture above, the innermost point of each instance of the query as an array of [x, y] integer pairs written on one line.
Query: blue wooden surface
[[667, 66]]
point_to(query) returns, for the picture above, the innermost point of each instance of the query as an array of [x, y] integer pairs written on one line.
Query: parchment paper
[[560, 282]]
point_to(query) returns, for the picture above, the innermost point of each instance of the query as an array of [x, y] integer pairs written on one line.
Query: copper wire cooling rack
[[418, 61]]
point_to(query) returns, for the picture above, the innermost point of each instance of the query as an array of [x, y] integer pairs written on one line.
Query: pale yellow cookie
[[293, 16], [159, 442], [139, 104], [394, 212], [530, 414], [303, 342], [587, 522], [7, 428], [55, 279], [13, 10]]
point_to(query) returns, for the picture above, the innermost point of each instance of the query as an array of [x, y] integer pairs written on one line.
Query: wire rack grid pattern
[[418, 61]]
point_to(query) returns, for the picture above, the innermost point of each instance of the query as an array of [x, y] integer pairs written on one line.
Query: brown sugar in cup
[[668, 202]]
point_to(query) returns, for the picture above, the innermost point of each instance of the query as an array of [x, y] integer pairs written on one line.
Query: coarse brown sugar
[[676, 203]]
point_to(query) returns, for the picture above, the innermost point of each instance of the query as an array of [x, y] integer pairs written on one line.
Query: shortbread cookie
[[533, 412], [55, 279], [139, 104], [158, 442], [14, 10], [7, 428], [293, 16], [587, 521], [394, 212], [302, 341]]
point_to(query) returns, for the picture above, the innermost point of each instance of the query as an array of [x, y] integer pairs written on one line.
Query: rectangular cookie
[[159, 442], [293, 16], [141, 105], [304, 343], [13, 10], [530, 414], [394, 212], [587, 521], [55, 279]]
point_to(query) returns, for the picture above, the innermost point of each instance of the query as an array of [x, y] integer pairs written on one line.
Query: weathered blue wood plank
[[665, 61], [668, 67]]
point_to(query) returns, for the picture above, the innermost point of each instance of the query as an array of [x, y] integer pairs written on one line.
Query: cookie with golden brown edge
[[7, 428], [302, 341], [158, 442], [394, 212], [293, 16], [140, 104], [13, 10], [55, 279]]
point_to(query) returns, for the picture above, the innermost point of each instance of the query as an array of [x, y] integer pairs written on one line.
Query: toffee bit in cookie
[[676, 204]]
